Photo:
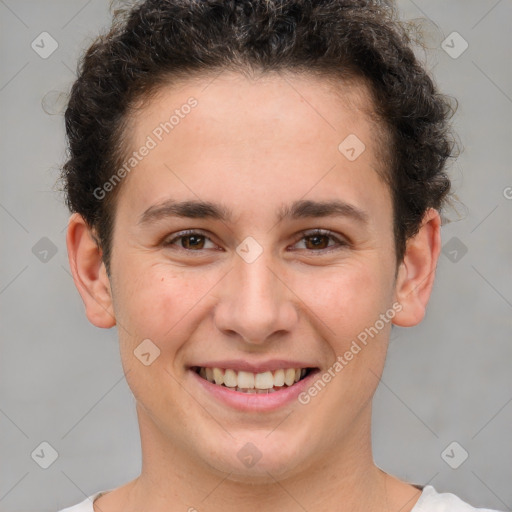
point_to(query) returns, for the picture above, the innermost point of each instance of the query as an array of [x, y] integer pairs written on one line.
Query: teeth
[[248, 382], [218, 376], [230, 379], [279, 378], [264, 380], [246, 390], [289, 376]]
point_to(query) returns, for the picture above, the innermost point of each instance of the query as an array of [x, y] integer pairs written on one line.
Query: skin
[[306, 304]]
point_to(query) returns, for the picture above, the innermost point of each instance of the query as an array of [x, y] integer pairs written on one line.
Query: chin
[[258, 459]]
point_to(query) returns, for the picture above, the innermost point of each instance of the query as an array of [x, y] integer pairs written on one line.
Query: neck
[[345, 479]]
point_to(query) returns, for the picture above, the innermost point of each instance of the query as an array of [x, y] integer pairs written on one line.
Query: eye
[[191, 240], [315, 239], [318, 238]]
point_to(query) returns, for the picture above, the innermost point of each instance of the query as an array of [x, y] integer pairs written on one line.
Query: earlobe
[[89, 273], [417, 271]]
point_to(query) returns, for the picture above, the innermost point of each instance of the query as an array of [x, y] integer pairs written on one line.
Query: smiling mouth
[[257, 383]]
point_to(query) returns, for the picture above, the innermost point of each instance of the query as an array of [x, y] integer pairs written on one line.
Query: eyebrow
[[196, 209]]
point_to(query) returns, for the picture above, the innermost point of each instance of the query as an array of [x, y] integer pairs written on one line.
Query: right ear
[[89, 273]]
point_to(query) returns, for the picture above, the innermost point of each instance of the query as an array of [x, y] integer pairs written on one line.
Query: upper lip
[[264, 366]]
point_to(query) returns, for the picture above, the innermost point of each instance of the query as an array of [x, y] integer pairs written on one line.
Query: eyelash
[[304, 234]]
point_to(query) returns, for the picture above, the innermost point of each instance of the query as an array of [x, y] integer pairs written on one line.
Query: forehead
[[230, 101], [255, 141]]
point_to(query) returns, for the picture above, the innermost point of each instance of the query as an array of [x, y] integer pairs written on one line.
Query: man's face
[[250, 291]]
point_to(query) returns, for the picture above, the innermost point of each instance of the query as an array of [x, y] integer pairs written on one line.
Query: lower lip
[[257, 402]]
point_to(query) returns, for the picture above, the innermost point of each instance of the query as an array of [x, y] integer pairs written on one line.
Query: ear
[[417, 271], [89, 273]]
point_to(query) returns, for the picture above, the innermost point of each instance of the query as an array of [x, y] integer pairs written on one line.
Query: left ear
[[417, 271]]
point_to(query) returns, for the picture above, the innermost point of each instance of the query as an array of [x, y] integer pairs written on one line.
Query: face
[[289, 264]]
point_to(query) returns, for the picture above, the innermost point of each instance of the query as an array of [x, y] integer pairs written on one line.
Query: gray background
[[446, 380]]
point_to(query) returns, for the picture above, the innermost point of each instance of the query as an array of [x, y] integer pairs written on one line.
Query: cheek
[[164, 307], [162, 304], [347, 311], [346, 299]]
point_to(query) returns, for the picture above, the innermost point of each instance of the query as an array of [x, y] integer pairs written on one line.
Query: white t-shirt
[[429, 501]]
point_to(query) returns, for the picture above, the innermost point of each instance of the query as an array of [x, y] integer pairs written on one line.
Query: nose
[[255, 304]]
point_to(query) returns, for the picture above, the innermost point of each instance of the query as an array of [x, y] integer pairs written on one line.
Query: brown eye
[[192, 241], [318, 240], [189, 241]]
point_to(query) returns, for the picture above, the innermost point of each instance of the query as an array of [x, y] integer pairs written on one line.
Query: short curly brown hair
[[155, 42]]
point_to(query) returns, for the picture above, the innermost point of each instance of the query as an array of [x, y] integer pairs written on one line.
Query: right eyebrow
[[189, 209]]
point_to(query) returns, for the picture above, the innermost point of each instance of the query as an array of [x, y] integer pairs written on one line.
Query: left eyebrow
[[335, 208], [300, 209]]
